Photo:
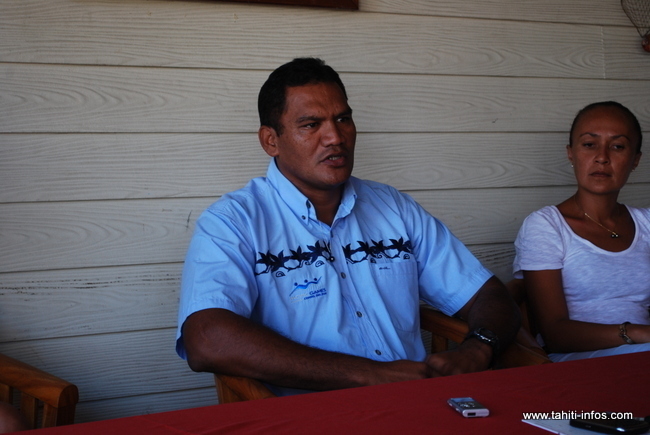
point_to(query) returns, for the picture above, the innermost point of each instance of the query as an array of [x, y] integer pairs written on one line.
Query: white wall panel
[[120, 121], [223, 35], [574, 11], [90, 301], [73, 99]]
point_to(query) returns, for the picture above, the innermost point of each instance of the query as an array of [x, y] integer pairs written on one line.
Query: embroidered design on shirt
[[320, 252], [374, 250], [307, 290]]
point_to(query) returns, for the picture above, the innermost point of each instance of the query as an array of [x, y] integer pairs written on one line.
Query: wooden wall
[[121, 120]]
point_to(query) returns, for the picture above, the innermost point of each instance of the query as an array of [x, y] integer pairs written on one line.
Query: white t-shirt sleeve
[[539, 244]]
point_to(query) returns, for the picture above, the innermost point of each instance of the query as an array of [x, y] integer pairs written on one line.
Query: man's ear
[[268, 139]]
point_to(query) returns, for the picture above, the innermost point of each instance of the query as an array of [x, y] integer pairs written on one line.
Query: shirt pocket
[[397, 283]]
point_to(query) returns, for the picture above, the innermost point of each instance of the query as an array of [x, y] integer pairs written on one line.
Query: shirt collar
[[298, 202]]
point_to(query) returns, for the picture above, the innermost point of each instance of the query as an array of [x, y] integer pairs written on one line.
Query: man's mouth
[[335, 157]]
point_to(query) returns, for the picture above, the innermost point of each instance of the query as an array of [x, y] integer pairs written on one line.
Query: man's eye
[[588, 144]]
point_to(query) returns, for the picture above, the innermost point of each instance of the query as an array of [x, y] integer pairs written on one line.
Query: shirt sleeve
[[449, 274], [539, 244], [218, 271]]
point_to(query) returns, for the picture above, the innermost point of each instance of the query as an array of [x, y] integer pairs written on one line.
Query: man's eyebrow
[[347, 112], [309, 118]]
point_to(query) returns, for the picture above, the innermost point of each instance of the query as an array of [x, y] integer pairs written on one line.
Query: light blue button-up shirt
[[353, 287]]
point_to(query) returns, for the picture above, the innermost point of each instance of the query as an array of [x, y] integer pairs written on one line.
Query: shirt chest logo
[[309, 289]]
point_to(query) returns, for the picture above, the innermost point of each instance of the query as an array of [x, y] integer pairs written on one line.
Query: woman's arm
[[546, 297]]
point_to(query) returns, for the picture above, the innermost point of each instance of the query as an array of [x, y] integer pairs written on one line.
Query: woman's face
[[604, 150]]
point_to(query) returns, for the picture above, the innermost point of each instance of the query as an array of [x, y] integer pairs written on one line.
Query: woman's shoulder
[[545, 223], [544, 216], [641, 216], [643, 213]]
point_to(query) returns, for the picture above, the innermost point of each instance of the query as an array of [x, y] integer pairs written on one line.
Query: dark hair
[[613, 104], [271, 101]]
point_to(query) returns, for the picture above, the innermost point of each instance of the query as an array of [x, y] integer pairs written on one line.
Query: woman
[[586, 261]]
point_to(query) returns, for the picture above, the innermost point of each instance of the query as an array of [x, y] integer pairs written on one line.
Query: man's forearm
[[220, 341], [494, 309]]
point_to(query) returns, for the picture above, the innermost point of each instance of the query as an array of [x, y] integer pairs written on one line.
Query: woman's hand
[[639, 333]]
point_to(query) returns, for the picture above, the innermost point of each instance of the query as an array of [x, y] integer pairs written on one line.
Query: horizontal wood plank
[[75, 99], [146, 404], [576, 11], [73, 167], [624, 56], [112, 365], [226, 35], [45, 236], [70, 235], [496, 257], [90, 301], [40, 167]]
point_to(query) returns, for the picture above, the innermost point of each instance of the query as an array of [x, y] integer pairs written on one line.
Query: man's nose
[[332, 134]]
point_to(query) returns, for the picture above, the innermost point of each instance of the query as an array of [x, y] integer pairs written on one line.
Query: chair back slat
[[6, 393], [29, 409]]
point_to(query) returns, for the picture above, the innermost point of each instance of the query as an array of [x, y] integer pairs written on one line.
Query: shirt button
[[331, 258], [359, 314], [303, 218], [343, 275], [378, 352]]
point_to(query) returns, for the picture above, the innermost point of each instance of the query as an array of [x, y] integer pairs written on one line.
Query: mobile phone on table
[[468, 407], [612, 425]]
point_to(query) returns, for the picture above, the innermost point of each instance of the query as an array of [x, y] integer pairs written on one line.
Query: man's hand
[[221, 341], [471, 356], [400, 370]]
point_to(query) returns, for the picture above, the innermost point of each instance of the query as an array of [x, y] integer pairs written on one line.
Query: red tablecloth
[[617, 384]]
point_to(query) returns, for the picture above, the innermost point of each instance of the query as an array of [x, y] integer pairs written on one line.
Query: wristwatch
[[488, 337]]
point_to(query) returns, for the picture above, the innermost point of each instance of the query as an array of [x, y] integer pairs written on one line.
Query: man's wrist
[[490, 341]]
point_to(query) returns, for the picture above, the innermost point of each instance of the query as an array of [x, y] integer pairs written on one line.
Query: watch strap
[[488, 337]]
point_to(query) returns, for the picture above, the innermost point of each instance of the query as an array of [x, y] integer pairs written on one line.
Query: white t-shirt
[[599, 286]]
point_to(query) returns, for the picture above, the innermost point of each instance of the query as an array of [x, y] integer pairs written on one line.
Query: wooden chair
[[444, 329], [58, 397]]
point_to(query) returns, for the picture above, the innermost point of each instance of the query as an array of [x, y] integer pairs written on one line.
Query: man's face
[[316, 148]]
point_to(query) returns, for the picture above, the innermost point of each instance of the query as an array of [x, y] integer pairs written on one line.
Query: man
[[310, 278]]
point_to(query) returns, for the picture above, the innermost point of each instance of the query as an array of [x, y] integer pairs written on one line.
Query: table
[[617, 383]]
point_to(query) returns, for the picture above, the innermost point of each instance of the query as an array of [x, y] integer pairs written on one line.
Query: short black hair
[[612, 104], [301, 71]]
